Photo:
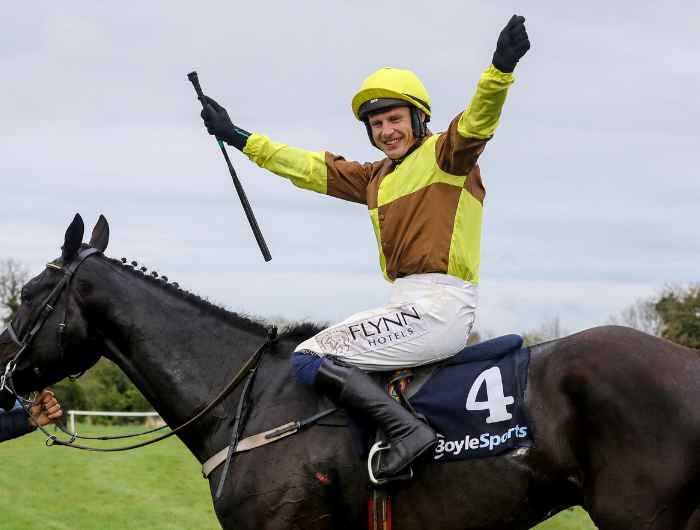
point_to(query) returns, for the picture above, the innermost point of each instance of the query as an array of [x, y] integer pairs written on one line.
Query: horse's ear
[[74, 238], [100, 234]]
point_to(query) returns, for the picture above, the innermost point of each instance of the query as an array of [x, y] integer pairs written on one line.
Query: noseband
[[35, 325]]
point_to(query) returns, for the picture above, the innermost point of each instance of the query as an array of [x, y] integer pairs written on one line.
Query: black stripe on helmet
[[377, 104], [418, 100]]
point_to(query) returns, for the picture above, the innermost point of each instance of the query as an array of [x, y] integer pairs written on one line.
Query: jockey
[[425, 201]]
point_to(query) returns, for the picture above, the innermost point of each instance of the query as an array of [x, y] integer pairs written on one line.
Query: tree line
[[673, 314]]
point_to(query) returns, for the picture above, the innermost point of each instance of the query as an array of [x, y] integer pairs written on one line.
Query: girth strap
[[262, 438]]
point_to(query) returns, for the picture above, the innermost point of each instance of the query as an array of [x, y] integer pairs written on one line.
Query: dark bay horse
[[616, 412]]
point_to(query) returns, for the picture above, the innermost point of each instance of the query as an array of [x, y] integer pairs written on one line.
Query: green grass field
[[156, 487]]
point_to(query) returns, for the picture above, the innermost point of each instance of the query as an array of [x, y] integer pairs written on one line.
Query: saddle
[[474, 399], [411, 380]]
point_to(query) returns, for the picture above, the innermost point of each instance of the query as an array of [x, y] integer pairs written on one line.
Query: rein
[[76, 436], [249, 366]]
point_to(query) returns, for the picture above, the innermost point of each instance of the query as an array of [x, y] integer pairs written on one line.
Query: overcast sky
[[592, 180]]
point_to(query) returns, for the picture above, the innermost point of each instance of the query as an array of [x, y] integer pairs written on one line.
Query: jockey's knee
[[306, 365]]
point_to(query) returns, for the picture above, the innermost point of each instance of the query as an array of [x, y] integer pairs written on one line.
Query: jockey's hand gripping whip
[[192, 76]]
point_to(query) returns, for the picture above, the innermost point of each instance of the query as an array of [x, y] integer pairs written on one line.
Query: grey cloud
[[591, 177]]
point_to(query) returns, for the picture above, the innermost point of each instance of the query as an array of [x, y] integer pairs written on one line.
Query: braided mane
[[290, 331]]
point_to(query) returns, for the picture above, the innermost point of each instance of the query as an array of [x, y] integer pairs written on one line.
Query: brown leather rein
[[244, 372]]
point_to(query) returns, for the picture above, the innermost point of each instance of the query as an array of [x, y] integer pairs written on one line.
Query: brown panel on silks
[[457, 155], [414, 229], [353, 181], [347, 180], [385, 168], [474, 185]]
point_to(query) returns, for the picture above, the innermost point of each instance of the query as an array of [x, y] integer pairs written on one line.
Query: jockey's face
[[392, 131]]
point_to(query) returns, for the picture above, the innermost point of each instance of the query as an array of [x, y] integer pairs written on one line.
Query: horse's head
[[49, 337]]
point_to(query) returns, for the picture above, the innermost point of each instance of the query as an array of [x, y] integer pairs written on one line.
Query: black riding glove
[[219, 124], [512, 45]]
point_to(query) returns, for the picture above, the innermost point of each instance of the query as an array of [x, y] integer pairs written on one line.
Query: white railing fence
[[73, 413]]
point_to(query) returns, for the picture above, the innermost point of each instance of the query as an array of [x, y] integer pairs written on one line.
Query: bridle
[[247, 371], [38, 321]]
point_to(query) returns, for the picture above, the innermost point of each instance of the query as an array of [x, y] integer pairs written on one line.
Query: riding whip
[[192, 76]]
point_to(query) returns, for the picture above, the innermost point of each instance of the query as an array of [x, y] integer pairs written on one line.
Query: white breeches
[[428, 318]]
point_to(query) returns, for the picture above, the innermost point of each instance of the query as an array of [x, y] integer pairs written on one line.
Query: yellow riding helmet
[[392, 83]]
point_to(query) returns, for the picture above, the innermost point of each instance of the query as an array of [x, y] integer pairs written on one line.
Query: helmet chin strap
[[420, 129]]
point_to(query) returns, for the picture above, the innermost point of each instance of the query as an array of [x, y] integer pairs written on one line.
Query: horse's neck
[[179, 352]]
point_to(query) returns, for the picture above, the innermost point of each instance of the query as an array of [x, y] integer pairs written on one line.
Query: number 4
[[495, 400]]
